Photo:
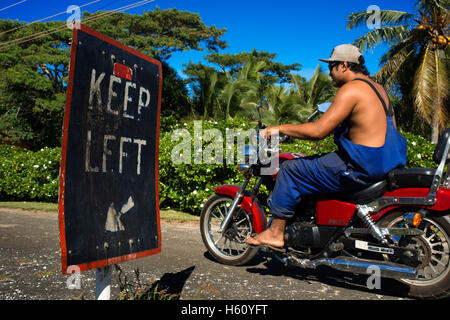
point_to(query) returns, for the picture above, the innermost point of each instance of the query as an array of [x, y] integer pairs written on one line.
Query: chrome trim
[[391, 231], [244, 167], [445, 158], [249, 154], [235, 204], [363, 212], [440, 171], [446, 183], [360, 266]]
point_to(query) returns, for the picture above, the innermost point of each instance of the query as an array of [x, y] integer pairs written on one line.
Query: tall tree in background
[[33, 74], [288, 102], [272, 71], [32, 83], [159, 33], [240, 80], [204, 87], [418, 59]]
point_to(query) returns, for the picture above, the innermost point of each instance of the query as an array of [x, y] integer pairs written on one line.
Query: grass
[[32, 206], [165, 214]]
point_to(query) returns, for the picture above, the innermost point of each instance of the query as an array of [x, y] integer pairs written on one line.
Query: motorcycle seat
[[411, 178], [365, 195]]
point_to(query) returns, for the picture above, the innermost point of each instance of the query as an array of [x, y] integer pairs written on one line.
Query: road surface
[[30, 267]]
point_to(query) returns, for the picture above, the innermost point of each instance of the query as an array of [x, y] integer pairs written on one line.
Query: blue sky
[[297, 31]]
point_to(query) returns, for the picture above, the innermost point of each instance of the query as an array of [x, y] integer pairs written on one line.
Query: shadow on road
[[170, 284]]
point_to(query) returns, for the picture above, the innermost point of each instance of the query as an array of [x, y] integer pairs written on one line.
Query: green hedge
[[27, 175], [188, 186]]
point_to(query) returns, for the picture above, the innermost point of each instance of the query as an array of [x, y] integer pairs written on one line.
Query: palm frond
[[412, 42], [428, 6], [315, 76], [425, 84], [392, 66], [387, 17], [385, 35], [442, 89]]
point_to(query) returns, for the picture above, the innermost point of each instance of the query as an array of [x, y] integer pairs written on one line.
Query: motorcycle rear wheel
[[228, 247], [433, 279]]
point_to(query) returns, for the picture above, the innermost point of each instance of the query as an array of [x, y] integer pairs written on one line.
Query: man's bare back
[[367, 121]]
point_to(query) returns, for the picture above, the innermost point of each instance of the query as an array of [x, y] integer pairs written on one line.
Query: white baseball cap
[[344, 52]]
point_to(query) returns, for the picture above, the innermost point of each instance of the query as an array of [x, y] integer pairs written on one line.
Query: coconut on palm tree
[[418, 59]]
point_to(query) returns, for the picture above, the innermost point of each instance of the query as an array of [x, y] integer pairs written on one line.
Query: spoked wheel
[[433, 273], [228, 247]]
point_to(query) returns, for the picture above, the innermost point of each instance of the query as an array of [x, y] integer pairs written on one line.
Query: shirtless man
[[369, 146]]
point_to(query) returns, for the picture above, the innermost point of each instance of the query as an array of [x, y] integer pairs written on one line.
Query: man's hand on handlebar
[[268, 132]]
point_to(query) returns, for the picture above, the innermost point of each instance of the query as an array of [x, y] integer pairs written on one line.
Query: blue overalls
[[351, 167]]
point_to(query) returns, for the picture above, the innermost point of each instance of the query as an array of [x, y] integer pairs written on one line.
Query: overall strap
[[389, 112]]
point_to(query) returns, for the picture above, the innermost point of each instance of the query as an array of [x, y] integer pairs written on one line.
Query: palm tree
[[419, 50], [247, 80], [284, 106], [226, 94], [289, 104], [317, 90], [204, 89]]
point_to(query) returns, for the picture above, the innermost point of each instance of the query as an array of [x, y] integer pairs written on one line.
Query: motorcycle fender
[[442, 200], [250, 204]]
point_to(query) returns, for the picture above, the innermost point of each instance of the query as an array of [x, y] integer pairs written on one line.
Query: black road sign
[[109, 206]]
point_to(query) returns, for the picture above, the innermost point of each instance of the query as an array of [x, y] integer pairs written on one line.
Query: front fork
[[237, 202]]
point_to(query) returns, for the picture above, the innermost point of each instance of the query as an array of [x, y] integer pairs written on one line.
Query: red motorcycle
[[400, 225]]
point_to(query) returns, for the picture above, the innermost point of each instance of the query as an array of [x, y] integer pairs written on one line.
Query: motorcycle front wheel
[[228, 247], [433, 274]]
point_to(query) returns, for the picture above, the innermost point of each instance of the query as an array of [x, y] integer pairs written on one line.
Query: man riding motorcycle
[[369, 145]]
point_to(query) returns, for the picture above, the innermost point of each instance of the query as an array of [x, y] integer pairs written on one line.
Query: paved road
[[30, 269]]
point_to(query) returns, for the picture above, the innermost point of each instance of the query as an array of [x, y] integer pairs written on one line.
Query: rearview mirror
[[264, 104], [323, 107]]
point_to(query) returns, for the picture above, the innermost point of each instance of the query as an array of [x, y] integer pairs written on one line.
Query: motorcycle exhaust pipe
[[360, 266]]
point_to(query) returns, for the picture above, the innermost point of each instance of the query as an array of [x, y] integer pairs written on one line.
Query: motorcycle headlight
[[243, 168], [248, 155]]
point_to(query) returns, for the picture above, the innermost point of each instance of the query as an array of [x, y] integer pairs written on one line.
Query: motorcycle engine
[[304, 235]]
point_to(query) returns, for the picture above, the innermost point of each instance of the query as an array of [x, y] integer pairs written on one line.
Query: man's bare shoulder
[[353, 90], [349, 93], [353, 86]]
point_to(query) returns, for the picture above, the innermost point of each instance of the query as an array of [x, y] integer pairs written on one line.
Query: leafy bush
[[310, 147], [420, 151], [27, 175], [186, 186]]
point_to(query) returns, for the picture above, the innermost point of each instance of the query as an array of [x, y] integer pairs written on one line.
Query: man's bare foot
[[274, 236], [265, 239]]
